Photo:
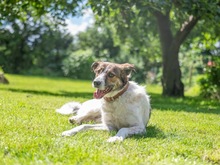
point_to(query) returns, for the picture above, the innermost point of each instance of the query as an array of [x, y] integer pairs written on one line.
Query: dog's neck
[[119, 93]]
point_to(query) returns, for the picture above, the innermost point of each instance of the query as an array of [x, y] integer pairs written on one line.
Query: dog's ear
[[128, 68], [94, 66], [126, 72]]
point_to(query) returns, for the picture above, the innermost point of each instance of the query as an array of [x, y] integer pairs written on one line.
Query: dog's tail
[[69, 108]]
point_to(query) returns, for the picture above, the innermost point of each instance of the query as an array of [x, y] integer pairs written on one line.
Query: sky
[[80, 23]]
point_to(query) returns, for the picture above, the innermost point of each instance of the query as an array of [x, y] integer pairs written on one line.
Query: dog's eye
[[99, 71], [111, 75]]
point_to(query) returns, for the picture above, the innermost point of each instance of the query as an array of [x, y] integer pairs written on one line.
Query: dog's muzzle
[[96, 83]]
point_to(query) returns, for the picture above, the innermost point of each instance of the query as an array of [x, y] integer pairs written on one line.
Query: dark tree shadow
[[188, 104], [87, 95]]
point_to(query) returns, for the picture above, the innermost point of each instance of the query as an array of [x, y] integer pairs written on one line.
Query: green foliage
[[31, 40], [14, 46], [78, 65], [1, 70], [33, 47], [100, 40], [30, 129], [210, 84], [49, 51], [126, 14], [22, 9]]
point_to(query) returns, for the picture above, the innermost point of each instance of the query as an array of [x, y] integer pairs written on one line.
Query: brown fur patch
[[116, 74]]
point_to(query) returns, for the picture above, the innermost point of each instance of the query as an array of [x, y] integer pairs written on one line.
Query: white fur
[[129, 114], [69, 108], [100, 78], [90, 110]]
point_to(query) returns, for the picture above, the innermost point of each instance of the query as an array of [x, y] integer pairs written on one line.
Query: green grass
[[181, 131]]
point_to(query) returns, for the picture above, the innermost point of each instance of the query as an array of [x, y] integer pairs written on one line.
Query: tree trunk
[[171, 78], [170, 45]]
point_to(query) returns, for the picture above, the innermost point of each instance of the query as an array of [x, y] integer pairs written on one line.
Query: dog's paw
[[68, 133], [115, 139], [74, 120]]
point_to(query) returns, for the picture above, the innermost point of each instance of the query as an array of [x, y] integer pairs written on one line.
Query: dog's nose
[[96, 83]]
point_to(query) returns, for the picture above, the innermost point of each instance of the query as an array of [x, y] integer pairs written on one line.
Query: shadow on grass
[[87, 95], [152, 132], [188, 104]]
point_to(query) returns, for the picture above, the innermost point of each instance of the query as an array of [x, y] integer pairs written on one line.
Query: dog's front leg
[[83, 128], [125, 132]]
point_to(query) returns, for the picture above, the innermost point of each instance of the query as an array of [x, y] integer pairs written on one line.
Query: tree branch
[[185, 29]]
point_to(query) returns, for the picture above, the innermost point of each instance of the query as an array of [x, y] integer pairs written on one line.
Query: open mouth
[[98, 94]]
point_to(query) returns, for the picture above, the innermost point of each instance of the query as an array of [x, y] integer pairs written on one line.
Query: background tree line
[[166, 40]]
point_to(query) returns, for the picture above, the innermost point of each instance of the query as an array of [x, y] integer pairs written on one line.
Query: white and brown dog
[[119, 104]]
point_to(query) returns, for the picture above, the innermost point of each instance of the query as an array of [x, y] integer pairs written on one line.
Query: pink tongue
[[98, 94]]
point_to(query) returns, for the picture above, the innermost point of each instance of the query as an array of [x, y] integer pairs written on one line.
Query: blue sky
[[80, 23]]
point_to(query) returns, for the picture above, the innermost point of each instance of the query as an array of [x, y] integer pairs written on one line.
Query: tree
[[22, 22], [175, 20], [50, 49], [33, 47], [14, 43], [100, 40]]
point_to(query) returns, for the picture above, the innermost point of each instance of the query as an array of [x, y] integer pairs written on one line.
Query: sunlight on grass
[[181, 131], [193, 91], [156, 89]]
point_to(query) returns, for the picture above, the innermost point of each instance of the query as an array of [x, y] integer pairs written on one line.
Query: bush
[[210, 84], [78, 65]]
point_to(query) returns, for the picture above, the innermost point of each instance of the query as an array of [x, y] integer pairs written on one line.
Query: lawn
[[181, 131]]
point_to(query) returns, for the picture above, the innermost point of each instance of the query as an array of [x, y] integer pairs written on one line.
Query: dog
[[118, 104]]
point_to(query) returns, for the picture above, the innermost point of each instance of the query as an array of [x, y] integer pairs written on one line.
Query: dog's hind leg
[[69, 108], [89, 111], [86, 117]]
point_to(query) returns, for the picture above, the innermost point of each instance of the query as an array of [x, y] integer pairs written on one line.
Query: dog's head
[[110, 77]]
